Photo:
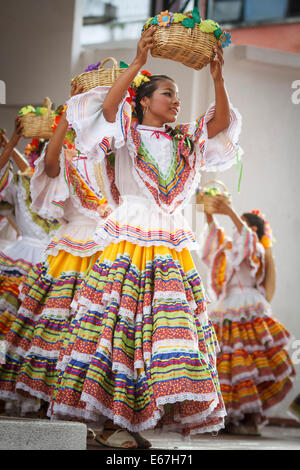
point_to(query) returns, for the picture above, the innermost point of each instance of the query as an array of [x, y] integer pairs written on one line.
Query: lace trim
[[44, 353], [250, 349], [253, 375], [218, 316], [93, 404], [82, 254], [239, 414], [50, 210], [104, 240], [65, 410], [37, 229], [8, 349], [175, 344]]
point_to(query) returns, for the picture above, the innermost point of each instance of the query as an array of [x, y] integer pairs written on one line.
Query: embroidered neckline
[[173, 162]]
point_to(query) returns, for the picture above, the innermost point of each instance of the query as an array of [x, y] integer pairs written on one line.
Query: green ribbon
[[123, 65], [239, 169]]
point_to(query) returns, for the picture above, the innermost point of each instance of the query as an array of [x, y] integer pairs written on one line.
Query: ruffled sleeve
[[223, 257], [220, 152], [49, 194], [94, 135]]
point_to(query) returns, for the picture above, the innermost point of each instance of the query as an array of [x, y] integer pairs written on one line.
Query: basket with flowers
[[95, 75], [208, 192], [186, 38], [37, 122]]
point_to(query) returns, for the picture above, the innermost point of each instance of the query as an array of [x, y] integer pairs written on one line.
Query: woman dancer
[[31, 348], [254, 369], [141, 352]]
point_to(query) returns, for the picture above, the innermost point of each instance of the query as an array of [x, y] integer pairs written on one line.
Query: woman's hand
[[217, 63], [3, 138], [144, 45], [76, 89], [221, 205], [18, 130]]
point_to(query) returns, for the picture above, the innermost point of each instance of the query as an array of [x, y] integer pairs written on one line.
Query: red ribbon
[[158, 133]]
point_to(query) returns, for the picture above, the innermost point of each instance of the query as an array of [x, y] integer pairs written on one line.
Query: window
[[117, 20]]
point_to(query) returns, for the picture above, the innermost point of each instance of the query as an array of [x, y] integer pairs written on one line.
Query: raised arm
[[52, 165], [121, 85], [221, 119], [270, 277], [221, 206], [10, 150]]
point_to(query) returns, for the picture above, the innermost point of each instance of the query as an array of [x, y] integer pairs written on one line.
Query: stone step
[[41, 434]]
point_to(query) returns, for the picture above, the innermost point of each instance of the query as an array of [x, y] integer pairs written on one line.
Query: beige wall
[[39, 41], [40, 61]]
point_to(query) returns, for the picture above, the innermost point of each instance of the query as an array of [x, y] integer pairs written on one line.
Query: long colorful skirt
[[141, 350], [254, 368], [30, 349]]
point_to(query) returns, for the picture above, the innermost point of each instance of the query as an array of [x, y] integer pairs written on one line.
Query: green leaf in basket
[[123, 65], [41, 110], [154, 20], [196, 15], [218, 33], [188, 23]]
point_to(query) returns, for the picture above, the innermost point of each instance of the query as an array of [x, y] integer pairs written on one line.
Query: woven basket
[[36, 125], [190, 46], [207, 199], [101, 77]]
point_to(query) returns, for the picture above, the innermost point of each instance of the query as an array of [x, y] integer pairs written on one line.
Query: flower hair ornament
[[33, 151], [267, 239], [140, 78], [70, 134]]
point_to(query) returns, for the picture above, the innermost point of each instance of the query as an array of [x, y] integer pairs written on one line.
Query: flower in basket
[[92, 67], [225, 39], [165, 18], [26, 110], [178, 17], [208, 26], [41, 110]]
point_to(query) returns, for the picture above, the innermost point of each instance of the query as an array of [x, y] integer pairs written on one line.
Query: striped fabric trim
[[76, 246], [137, 235], [4, 179]]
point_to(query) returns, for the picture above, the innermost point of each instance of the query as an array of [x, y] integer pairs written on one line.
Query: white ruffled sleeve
[[222, 151], [94, 135], [49, 194]]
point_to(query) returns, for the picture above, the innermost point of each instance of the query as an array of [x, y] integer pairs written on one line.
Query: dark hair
[[147, 89], [255, 220]]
